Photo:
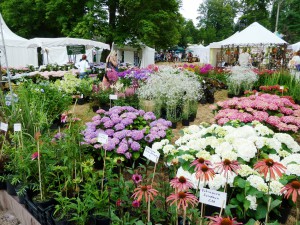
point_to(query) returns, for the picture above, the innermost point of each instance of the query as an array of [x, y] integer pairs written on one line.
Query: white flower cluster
[[245, 144], [171, 86]]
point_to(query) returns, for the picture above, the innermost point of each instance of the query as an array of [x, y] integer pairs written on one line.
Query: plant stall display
[[252, 164], [129, 131], [174, 92], [277, 112], [240, 80]]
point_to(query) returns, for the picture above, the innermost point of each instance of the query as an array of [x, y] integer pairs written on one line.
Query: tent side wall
[[147, 57], [18, 56]]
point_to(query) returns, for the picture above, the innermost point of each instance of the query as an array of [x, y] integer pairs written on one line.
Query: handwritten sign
[[17, 127], [212, 197], [281, 87], [102, 138], [81, 96], [3, 126], [113, 97], [151, 154]]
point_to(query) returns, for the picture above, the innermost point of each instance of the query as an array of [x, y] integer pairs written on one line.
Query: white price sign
[[102, 138], [4, 126], [113, 97], [281, 87], [81, 96], [212, 197], [151, 154], [17, 127]]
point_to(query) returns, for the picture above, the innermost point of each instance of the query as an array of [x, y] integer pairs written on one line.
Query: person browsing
[[83, 66]]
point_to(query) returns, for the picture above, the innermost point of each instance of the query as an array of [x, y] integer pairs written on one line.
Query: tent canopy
[[200, 51], [295, 47], [10, 38], [252, 35], [64, 41]]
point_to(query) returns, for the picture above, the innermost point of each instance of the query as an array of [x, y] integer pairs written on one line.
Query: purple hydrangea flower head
[[141, 112], [100, 111], [135, 146], [137, 135], [97, 146], [150, 138], [97, 117], [119, 126], [161, 133], [149, 116], [105, 119], [115, 141], [122, 148], [120, 134], [129, 141], [127, 121], [108, 124], [116, 119], [109, 146], [128, 155], [110, 132]]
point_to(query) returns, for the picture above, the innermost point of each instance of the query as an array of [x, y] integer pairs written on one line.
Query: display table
[[8, 202]]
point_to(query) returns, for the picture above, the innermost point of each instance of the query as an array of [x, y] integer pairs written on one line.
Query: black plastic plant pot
[[32, 208], [101, 220], [185, 122], [11, 190], [95, 108], [180, 221], [174, 125], [81, 101]]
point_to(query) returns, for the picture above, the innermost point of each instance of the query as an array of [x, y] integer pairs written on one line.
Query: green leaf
[[261, 212], [251, 222], [139, 223], [240, 197], [246, 204], [275, 203]]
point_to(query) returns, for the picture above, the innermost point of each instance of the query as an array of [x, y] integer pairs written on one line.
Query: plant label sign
[[212, 197], [81, 96], [17, 127], [281, 87], [151, 154], [113, 97], [4, 126], [102, 138]]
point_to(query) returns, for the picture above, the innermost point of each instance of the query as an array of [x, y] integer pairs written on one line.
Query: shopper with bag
[[111, 70]]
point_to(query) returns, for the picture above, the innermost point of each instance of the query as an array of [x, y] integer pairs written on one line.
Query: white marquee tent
[[200, 51], [54, 49], [295, 47], [17, 50], [254, 34], [138, 57]]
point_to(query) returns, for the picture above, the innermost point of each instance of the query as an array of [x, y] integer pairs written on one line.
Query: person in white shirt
[[244, 58], [295, 61], [83, 66]]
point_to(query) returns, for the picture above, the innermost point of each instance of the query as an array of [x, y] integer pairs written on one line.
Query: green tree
[[289, 17], [217, 19], [189, 34], [254, 11], [154, 23]]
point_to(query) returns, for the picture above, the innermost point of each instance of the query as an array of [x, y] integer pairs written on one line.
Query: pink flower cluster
[[273, 110]]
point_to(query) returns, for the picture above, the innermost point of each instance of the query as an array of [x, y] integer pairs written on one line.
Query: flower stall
[[126, 163]]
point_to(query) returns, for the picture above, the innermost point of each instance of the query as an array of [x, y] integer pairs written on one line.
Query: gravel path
[[8, 218]]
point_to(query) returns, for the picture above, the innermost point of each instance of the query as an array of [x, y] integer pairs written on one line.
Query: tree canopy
[[156, 23]]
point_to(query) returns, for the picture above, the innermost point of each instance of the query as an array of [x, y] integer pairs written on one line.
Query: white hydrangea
[[212, 141], [260, 142], [283, 153], [245, 149], [246, 170], [193, 129], [252, 200], [275, 157], [220, 131], [263, 130], [157, 146], [275, 187], [288, 140], [164, 141], [231, 155], [217, 182], [225, 146], [168, 148], [258, 183], [273, 143], [187, 157], [242, 132], [215, 159], [291, 158], [203, 154], [293, 169], [196, 144]]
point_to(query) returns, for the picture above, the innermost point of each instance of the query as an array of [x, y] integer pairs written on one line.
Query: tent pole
[[6, 63]]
